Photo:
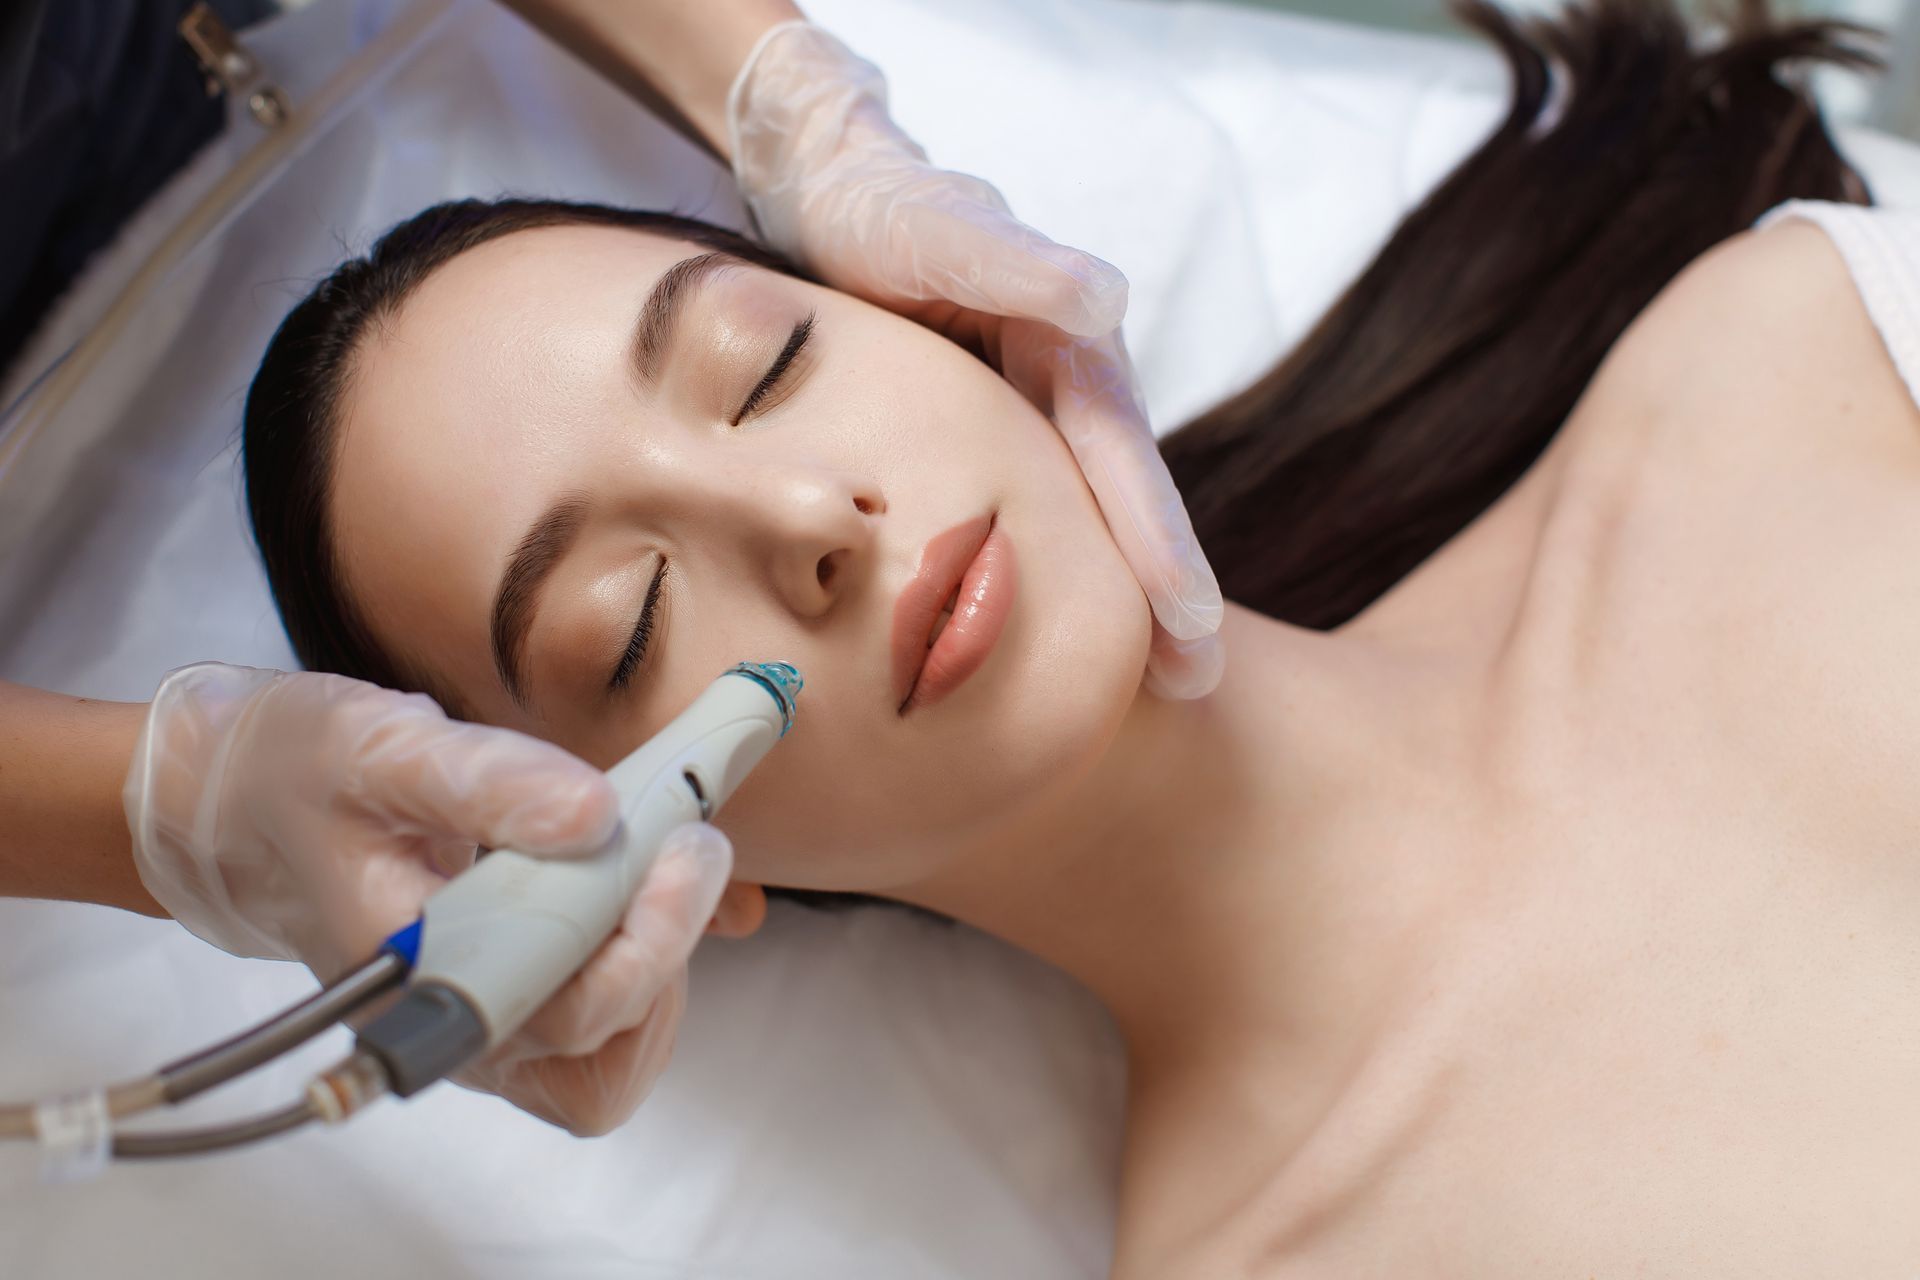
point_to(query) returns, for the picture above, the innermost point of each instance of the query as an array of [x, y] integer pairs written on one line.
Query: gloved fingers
[[954, 238], [592, 1094], [307, 815], [1184, 669], [444, 857], [615, 990], [413, 767], [834, 182], [1089, 393], [211, 811], [515, 1081], [1150, 526]]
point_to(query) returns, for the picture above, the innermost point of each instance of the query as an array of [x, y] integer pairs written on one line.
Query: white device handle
[[509, 932]]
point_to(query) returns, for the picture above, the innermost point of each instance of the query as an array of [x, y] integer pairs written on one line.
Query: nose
[[811, 531]]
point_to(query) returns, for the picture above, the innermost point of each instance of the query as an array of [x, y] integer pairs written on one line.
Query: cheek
[[1083, 655], [858, 799], [869, 802], [876, 806]]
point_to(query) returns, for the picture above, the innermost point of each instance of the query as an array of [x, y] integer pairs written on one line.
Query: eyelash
[[642, 632], [796, 342]]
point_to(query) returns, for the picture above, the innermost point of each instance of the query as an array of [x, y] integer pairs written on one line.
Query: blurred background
[[1891, 102]]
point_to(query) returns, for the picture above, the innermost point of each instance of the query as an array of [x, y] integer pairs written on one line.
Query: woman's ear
[[742, 910]]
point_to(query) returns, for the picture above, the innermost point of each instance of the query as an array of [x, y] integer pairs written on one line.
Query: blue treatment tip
[[782, 680]]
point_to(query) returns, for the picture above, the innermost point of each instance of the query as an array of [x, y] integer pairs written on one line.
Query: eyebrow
[[549, 537], [528, 568], [653, 335]]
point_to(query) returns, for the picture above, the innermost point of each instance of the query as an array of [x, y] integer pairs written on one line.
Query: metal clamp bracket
[[230, 66]]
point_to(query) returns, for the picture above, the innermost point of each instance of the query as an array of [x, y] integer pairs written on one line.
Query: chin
[[863, 812], [1078, 675], [1100, 669]]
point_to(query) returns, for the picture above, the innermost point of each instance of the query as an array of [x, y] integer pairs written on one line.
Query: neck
[[1241, 866], [1155, 878]]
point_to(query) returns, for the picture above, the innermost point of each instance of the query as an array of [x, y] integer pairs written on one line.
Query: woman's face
[[535, 401]]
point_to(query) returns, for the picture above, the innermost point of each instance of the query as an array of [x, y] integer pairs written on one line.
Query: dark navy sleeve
[[101, 102]]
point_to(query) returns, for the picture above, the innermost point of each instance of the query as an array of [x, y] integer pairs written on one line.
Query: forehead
[[466, 415], [520, 313]]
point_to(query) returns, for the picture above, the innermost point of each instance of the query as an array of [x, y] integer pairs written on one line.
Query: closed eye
[[796, 342], [636, 649]]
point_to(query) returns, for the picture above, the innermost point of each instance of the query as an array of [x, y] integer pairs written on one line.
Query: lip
[[976, 559]]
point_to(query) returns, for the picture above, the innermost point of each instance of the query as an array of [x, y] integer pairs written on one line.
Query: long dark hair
[[1448, 366], [1421, 396]]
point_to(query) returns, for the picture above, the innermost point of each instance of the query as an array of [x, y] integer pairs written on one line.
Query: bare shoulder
[[1768, 329], [1786, 282]]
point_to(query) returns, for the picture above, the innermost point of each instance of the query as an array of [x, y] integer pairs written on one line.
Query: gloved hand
[[587, 1059], [306, 817], [837, 186]]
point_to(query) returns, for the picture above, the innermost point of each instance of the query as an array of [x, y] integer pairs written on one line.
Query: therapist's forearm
[[63, 833], [677, 57]]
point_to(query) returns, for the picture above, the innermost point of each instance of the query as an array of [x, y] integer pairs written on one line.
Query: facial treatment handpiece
[[489, 949], [502, 937]]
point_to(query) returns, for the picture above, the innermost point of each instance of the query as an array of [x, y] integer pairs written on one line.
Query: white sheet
[[865, 1096]]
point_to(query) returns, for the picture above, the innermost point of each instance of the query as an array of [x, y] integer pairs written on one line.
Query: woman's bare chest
[[1663, 1049], [1680, 1032], [1677, 1031]]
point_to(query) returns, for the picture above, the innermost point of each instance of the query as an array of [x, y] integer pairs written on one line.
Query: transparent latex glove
[[307, 817], [836, 185], [592, 1053]]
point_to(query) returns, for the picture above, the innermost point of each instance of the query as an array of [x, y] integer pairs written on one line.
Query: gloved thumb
[[695, 863], [1180, 670], [615, 990], [494, 787], [970, 250], [834, 183]]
